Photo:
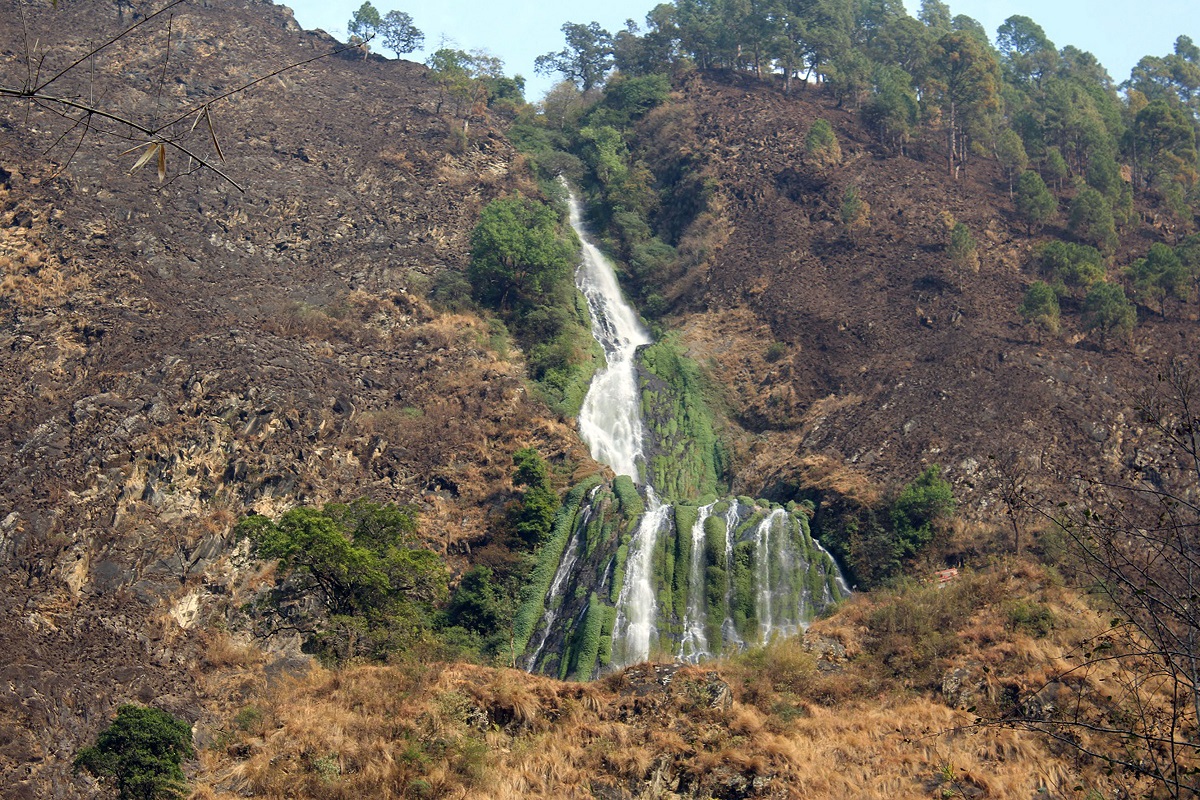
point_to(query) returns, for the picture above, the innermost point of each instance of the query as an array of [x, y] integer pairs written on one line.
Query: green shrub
[[1040, 306], [631, 502], [822, 146], [920, 507], [141, 754], [963, 252], [1031, 617], [690, 461]]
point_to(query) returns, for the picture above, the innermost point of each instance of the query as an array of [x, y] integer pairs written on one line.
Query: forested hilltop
[[291, 472]]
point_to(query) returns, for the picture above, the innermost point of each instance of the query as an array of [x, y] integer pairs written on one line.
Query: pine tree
[[1035, 204]]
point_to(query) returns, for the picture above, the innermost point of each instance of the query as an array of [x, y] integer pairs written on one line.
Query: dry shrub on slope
[[784, 721]]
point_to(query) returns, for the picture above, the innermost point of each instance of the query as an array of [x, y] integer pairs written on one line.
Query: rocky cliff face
[[176, 354]]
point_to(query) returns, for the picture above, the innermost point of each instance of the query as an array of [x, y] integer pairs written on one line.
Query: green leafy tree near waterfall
[[585, 60], [920, 508], [533, 514], [519, 256], [377, 587]]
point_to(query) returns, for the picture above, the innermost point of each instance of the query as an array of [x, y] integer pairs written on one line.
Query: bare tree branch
[[87, 113]]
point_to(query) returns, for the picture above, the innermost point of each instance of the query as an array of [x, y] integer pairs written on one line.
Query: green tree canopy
[[935, 14], [1040, 306], [533, 515], [1174, 78], [141, 753], [1035, 203], [1092, 220], [1056, 166], [365, 23], [1107, 311], [893, 110], [519, 254], [1010, 151], [376, 584], [965, 82], [477, 605], [585, 60], [1160, 275], [530, 468], [919, 508], [1077, 266], [1189, 255], [399, 34], [1026, 53]]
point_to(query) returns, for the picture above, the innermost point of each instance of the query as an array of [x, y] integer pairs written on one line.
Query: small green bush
[[822, 146], [1031, 617]]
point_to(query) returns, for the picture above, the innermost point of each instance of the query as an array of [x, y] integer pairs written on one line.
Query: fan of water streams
[[638, 577]]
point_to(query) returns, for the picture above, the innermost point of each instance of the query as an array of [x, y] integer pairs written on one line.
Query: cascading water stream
[[629, 582], [565, 568], [695, 639], [729, 631], [610, 420], [637, 607], [762, 565]]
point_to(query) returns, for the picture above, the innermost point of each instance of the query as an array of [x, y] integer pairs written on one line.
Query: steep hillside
[[179, 353], [176, 354], [869, 349]]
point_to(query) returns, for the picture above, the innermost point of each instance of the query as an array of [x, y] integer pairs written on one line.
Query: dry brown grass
[[460, 731]]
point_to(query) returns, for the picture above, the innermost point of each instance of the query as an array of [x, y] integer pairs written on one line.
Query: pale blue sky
[[1118, 32]]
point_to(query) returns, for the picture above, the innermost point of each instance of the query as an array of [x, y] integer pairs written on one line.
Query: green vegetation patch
[[587, 645], [533, 597], [631, 502], [688, 460]]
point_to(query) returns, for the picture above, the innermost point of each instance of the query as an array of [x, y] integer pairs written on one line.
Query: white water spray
[[695, 638], [610, 420], [637, 607]]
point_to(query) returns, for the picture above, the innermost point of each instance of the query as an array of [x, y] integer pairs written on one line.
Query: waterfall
[[694, 646], [729, 631], [639, 576], [610, 420], [637, 607], [566, 568]]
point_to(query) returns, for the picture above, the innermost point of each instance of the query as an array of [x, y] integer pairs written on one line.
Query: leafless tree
[[1133, 697], [183, 131]]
